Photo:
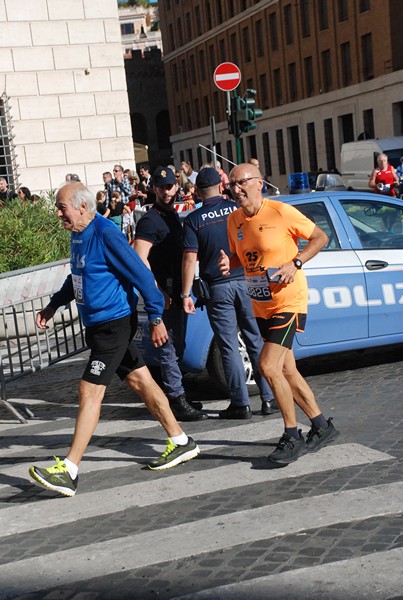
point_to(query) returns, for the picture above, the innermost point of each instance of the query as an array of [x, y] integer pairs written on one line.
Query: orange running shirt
[[269, 239]]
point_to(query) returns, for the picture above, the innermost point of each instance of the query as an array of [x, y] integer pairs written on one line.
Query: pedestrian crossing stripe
[[206, 535], [366, 577]]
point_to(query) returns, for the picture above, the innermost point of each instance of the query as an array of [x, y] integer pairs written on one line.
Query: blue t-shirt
[[104, 271], [205, 232]]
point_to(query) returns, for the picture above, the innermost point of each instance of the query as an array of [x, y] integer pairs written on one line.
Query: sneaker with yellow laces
[[174, 455], [56, 478]]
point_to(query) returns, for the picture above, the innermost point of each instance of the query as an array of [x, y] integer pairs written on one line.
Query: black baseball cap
[[163, 176], [207, 177]]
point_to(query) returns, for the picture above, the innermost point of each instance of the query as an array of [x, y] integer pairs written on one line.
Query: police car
[[355, 284]]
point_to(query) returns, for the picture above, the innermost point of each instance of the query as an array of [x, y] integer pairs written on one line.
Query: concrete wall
[[61, 66]]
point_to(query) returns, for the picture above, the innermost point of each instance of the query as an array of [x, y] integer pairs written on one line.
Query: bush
[[31, 234]]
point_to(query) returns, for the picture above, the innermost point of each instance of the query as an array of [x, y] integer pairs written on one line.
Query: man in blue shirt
[[104, 272], [229, 307]]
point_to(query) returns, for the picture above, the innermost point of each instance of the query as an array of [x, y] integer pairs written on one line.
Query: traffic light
[[247, 113], [243, 113]]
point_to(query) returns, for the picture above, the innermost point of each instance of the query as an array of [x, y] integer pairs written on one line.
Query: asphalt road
[[222, 526]]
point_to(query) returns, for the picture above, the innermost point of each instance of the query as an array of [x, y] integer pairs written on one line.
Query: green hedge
[[31, 234]]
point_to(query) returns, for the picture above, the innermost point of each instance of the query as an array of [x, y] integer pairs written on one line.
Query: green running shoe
[[56, 478], [174, 455]]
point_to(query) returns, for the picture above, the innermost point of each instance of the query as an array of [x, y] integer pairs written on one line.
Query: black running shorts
[[280, 328], [112, 350]]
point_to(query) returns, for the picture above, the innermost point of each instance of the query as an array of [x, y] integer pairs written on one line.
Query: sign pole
[[213, 140]]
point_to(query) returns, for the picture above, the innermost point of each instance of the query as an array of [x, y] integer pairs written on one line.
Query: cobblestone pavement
[[221, 526]]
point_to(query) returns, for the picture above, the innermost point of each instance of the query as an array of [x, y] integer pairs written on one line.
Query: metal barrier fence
[[25, 349]]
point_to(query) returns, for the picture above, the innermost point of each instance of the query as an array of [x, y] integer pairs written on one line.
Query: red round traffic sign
[[227, 76]]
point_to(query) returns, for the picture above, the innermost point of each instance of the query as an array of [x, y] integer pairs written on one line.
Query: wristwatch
[[298, 263], [156, 321], [185, 296]]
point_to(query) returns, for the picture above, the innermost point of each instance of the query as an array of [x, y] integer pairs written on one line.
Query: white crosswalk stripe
[[210, 534]]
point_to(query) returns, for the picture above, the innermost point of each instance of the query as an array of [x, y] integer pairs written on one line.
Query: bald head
[[243, 171], [246, 185], [78, 194]]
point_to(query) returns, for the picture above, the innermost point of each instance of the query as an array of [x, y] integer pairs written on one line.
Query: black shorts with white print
[[112, 350]]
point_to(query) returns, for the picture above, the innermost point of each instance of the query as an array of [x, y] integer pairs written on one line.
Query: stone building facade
[[63, 95]]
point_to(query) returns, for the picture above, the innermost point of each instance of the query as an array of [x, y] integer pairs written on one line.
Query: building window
[[266, 154], [292, 82], [305, 24], [246, 44], [264, 98], [188, 27], [368, 119], [347, 127], [273, 32], [218, 8], [342, 9], [197, 113], [323, 15], [208, 16], [295, 148], [367, 59], [259, 39], [313, 157], [189, 153], [326, 71], [184, 76], [280, 152], [243, 5], [329, 141], [212, 59], [206, 108], [188, 117], [202, 65], [364, 6], [233, 43], [231, 8], [278, 92], [180, 31], [221, 45], [127, 28], [252, 149], [289, 34], [346, 64], [171, 36], [180, 120], [8, 166], [309, 83], [197, 19], [192, 69], [181, 155], [175, 77]]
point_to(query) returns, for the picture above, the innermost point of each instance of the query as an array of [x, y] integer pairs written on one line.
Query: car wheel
[[216, 371]]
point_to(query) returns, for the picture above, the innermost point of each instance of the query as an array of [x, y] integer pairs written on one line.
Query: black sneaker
[[183, 411], [174, 455], [269, 407], [288, 449], [235, 412], [318, 437]]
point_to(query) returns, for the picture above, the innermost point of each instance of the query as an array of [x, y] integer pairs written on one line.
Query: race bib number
[[78, 288], [258, 288]]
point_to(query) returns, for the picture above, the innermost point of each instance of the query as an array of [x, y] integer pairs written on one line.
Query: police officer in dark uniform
[[158, 241]]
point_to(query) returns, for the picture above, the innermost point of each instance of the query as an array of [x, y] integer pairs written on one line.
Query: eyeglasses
[[116, 170], [240, 182]]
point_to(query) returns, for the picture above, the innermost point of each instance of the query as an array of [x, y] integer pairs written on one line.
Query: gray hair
[[80, 194]]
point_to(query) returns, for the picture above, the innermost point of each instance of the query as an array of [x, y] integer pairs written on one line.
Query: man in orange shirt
[[263, 236]]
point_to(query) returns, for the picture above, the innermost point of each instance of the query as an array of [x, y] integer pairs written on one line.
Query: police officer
[[159, 244], [229, 306]]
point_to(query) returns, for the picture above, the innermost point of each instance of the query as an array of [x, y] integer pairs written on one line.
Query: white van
[[358, 159]]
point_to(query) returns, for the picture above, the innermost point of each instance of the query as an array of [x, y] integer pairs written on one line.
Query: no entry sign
[[227, 76]]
